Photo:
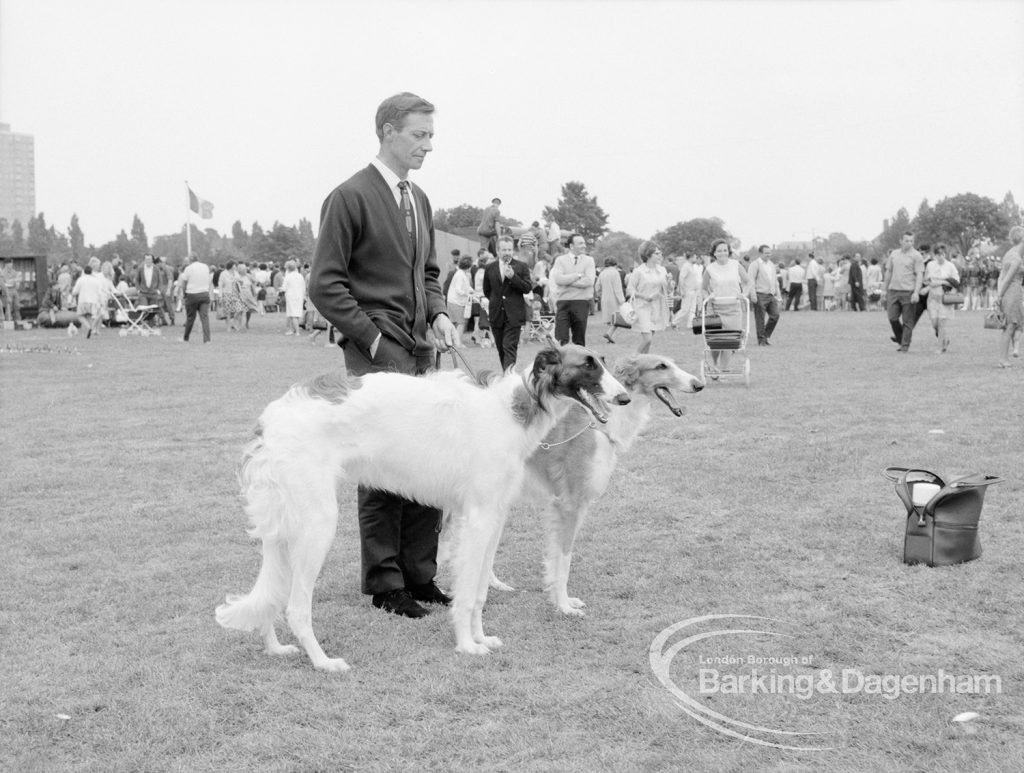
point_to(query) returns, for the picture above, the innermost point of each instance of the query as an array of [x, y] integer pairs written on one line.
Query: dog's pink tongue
[[665, 395]]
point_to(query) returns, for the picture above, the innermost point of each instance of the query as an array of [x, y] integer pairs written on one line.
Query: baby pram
[[134, 319], [717, 339], [539, 326]]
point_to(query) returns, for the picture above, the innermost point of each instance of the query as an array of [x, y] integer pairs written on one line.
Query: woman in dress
[[609, 287], [724, 279], [294, 287], [940, 276], [231, 296], [460, 297], [648, 289], [247, 295], [1009, 294]]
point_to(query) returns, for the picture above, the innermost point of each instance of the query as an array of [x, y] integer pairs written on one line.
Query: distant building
[[17, 176]]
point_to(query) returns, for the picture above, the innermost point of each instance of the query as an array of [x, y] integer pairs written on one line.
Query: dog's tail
[[264, 504]]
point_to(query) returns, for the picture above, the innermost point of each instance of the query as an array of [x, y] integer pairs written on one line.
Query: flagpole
[[188, 224]]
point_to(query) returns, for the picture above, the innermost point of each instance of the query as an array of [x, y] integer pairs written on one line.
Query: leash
[[455, 353], [549, 446]]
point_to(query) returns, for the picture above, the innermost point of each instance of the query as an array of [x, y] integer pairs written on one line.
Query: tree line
[[962, 221], [280, 243]]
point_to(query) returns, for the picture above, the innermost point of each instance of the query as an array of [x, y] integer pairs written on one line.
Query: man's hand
[[445, 334]]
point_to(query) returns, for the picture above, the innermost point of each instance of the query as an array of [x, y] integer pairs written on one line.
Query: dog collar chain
[[548, 446]]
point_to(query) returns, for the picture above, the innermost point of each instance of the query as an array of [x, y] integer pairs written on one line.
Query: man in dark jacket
[[506, 283], [375, 279]]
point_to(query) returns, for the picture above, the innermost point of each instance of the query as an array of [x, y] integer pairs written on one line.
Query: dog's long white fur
[[440, 440]]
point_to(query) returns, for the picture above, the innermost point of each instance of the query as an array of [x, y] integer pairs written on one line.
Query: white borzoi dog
[[573, 465], [384, 430]]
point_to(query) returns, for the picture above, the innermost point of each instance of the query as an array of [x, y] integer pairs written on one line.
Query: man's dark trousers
[[766, 303], [571, 321], [902, 315], [386, 567]]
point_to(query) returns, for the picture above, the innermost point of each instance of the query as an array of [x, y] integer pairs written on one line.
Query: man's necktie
[[407, 209]]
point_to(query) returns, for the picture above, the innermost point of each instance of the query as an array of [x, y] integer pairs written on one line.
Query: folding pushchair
[[724, 340], [539, 326], [134, 319]]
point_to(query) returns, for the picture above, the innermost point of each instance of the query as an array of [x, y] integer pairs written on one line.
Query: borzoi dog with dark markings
[[575, 461], [387, 431]]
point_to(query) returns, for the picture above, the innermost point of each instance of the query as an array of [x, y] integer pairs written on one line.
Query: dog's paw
[[333, 665], [568, 608], [576, 603], [491, 642], [499, 585], [282, 649], [473, 648]]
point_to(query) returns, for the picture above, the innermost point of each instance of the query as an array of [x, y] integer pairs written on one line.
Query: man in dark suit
[[375, 278], [506, 282], [150, 281]]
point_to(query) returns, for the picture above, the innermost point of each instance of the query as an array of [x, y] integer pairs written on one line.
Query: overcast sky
[[781, 118]]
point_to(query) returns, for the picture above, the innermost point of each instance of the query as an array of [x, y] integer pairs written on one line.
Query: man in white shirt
[[572, 277], [764, 283], [796, 275], [814, 278], [195, 285]]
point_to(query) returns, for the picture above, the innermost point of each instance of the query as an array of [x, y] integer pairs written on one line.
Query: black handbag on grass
[[942, 518]]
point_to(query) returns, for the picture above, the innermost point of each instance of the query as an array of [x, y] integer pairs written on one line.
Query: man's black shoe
[[399, 602], [430, 593]]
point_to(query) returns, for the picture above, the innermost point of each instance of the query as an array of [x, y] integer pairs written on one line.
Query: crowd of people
[[94, 295], [567, 289]]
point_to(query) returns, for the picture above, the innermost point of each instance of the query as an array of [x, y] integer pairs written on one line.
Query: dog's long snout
[[613, 390], [696, 385]]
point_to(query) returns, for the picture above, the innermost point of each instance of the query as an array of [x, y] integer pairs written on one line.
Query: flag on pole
[[201, 207]]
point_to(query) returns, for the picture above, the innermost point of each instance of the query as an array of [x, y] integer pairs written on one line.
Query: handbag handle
[[974, 480], [903, 477]]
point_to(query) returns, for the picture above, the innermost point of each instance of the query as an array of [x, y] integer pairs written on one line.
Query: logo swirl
[[661, 656]]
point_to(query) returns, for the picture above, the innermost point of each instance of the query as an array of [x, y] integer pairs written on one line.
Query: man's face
[[504, 252], [578, 245], [907, 242], [404, 149], [766, 255], [147, 260]]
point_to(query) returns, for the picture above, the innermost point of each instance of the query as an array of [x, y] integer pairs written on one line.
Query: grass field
[[122, 530]]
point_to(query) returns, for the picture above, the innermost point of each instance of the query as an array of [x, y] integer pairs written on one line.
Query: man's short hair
[[507, 239], [495, 200], [1016, 231], [572, 236], [393, 110], [763, 248], [456, 253], [909, 233]]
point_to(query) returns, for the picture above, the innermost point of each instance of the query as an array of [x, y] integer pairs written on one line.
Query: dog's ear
[[627, 371], [547, 360]]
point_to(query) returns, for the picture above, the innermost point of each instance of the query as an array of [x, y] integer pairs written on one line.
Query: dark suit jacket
[[158, 279], [365, 277], [507, 304], [856, 275]]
